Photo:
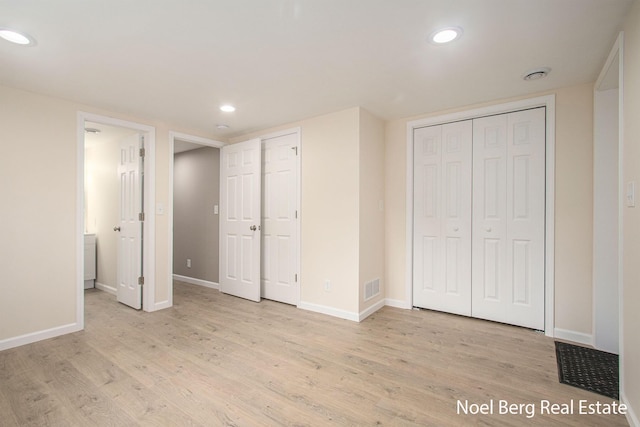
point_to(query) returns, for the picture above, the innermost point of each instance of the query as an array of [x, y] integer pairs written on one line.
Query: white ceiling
[[283, 60]]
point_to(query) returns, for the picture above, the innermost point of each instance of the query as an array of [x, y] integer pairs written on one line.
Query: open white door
[[240, 196], [129, 290], [279, 276]]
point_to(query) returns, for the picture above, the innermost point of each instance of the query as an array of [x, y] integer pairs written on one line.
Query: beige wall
[[631, 216], [342, 182], [38, 186], [196, 190], [574, 174], [330, 208], [371, 207], [38, 192], [102, 200]]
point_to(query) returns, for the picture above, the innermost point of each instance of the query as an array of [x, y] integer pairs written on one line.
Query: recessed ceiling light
[[536, 74], [16, 37], [92, 130], [228, 108], [445, 35], [222, 127]]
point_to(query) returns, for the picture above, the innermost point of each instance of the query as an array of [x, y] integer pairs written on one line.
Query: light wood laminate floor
[[216, 360]]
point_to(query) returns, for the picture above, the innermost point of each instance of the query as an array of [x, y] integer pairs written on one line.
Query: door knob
[[116, 228], [456, 228], [253, 228], [488, 229]]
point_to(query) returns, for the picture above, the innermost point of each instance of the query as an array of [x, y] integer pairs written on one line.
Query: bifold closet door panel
[[508, 218], [442, 218]]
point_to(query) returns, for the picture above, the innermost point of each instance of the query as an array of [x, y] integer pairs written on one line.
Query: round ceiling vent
[[537, 74]]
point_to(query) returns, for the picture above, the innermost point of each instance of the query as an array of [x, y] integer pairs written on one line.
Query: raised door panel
[[489, 299], [279, 221], [509, 200], [525, 217], [240, 220], [128, 290], [442, 217]]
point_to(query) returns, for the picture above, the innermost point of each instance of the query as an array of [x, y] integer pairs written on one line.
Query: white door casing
[[508, 241], [240, 197], [442, 217], [279, 279], [129, 291]]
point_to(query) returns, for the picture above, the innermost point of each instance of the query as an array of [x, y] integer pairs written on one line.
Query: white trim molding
[[149, 258], [205, 142], [397, 303], [39, 336], [198, 282], [369, 311], [632, 417], [577, 337], [547, 101], [330, 311], [106, 288]]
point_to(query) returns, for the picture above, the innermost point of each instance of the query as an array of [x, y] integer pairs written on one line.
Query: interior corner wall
[[38, 186], [329, 210], [573, 210], [196, 190], [630, 343], [371, 199], [38, 170]]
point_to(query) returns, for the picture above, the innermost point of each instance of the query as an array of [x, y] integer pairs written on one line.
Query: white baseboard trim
[[397, 303], [632, 417], [161, 305], [106, 288], [323, 309], [38, 336], [369, 311], [578, 337], [194, 281]]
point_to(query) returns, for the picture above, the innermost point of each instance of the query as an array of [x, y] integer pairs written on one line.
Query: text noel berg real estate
[[544, 407]]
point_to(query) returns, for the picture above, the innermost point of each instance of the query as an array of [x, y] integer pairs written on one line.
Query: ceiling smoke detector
[[537, 74]]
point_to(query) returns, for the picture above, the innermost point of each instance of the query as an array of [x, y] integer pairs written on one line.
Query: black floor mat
[[587, 368]]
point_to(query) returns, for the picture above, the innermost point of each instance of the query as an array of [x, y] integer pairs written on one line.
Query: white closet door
[[279, 219], [442, 218], [508, 218], [240, 195]]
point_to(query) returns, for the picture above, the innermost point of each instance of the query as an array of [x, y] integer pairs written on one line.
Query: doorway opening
[[99, 199], [609, 196], [193, 210]]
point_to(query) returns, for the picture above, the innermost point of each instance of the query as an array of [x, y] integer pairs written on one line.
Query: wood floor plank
[[213, 359]]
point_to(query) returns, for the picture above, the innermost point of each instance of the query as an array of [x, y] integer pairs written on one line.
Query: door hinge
[[296, 277], [141, 216], [142, 152], [141, 280], [295, 149], [296, 214]]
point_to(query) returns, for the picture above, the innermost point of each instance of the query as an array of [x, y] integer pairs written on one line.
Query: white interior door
[[508, 218], [279, 278], [442, 218], [240, 197], [129, 289]]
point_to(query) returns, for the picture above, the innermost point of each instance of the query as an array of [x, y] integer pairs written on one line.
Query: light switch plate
[[631, 194]]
